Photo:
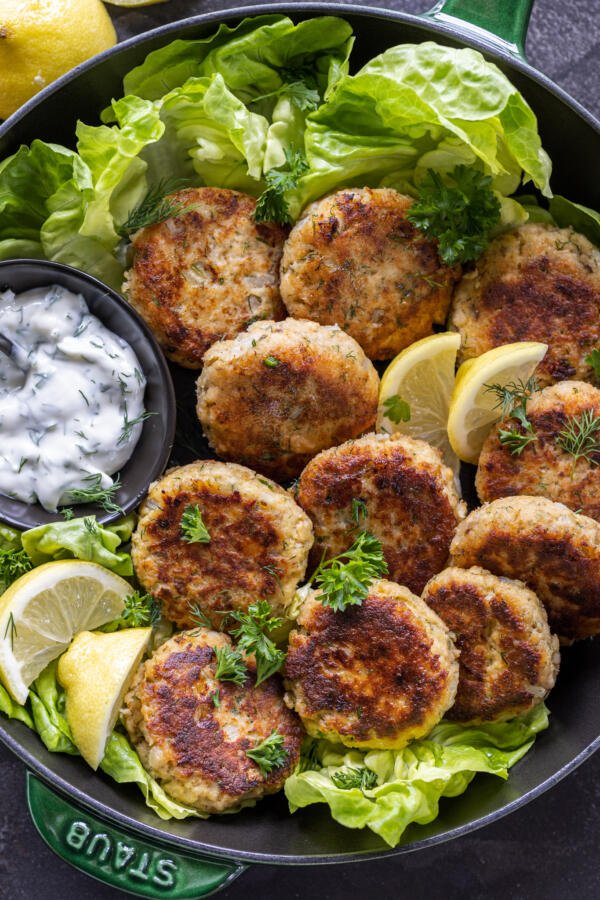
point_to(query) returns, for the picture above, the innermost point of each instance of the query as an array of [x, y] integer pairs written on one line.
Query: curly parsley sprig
[[272, 205], [345, 580], [459, 214], [230, 665], [193, 529], [252, 638], [269, 754]]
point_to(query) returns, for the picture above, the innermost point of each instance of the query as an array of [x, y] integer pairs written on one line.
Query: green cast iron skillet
[[105, 829]]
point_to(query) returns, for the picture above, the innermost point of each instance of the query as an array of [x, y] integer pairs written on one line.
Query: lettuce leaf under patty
[[410, 782]]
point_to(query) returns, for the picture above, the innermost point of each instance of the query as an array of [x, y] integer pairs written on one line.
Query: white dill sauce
[[73, 419]]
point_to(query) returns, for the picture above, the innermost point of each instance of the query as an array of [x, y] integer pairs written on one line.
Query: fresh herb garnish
[[580, 436], [95, 493], [593, 360], [301, 94], [230, 665], [155, 207], [199, 617], [67, 513], [216, 699], [270, 362], [269, 754], [129, 424], [193, 529], [140, 611], [345, 579], [251, 638], [396, 409], [460, 215], [11, 629], [359, 511], [13, 564], [512, 400], [272, 206], [362, 778]]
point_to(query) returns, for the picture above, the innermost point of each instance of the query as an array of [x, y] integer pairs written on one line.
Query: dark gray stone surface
[[548, 849]]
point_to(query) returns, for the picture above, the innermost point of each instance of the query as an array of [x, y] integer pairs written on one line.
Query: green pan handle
[[502, 23], [112, 855]]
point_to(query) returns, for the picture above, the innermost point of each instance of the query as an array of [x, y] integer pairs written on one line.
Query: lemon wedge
[[95, 672], [43, 609], [473, 407], [415, 392]]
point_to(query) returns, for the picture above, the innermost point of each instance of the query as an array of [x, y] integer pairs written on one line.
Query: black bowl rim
[[430, 27], [162, 451]]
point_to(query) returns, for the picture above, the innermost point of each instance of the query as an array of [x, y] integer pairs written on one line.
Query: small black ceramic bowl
[[153, 448]]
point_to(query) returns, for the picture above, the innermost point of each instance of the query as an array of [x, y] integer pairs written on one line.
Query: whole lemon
[[42, 39]]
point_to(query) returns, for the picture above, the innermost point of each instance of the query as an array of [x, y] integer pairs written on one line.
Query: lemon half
[[473, 407], [95, 672], [42, 611], [422, 376]]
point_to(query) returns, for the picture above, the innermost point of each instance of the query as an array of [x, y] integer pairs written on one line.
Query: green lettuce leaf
[[210, 133], [254, 58], [410, 782], [583, 219], [420, 106], [81, 539], [14, 710], [10, 538], [47, 700]]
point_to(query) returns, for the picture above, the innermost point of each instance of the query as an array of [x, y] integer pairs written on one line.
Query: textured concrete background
[[547, 850]]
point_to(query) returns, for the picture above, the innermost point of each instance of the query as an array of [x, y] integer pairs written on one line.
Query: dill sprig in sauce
[[93, 492]]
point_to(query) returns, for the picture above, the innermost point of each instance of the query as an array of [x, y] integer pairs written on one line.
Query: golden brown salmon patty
[[545, 468], [258, 547], [206, 273], [276, 395], [192, 731], [394, 486], [536, 283], [354, 260], [508, 659], [375, 675], [555, 551]]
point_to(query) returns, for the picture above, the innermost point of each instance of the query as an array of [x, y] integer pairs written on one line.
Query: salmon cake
[[276, 395], [563, 461], [535, 283], [394, 486], [508, 659], [193, 731], [254, 545], [555, 551], [353, 259], [374, 676], [206, 272]]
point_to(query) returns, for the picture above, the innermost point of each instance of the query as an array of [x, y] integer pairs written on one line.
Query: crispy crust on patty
[[508, 658], [376, 675], [353, 259], [206, 273], [555, 551], [282, 391], [544, 468], [535, 283], [194, 748], [258, 548], [408, 494]]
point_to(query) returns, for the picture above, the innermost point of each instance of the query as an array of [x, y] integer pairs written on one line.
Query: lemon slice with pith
[[95, 672], [415, 392], [473, 406], [42, 610]]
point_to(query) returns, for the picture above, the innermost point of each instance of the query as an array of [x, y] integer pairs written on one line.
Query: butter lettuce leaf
[[411, 781], [81, 538], [14, 710], [583, 219], [421, 106]]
